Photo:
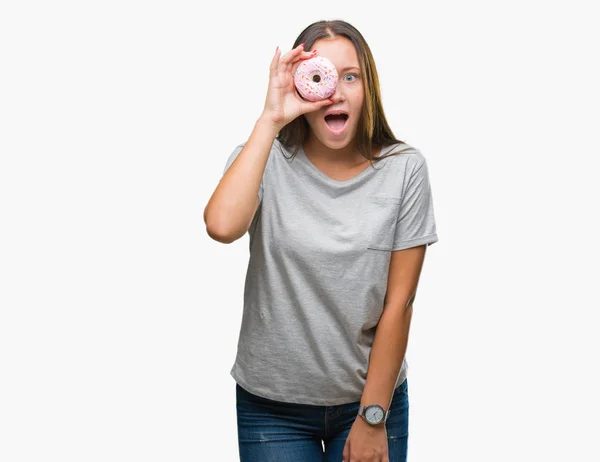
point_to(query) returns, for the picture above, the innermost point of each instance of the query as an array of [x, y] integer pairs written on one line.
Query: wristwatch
[[373, 414]]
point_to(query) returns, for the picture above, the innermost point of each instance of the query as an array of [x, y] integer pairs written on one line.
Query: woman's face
[[348, 96]]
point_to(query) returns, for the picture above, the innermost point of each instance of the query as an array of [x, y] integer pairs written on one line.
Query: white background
[[120, 316]]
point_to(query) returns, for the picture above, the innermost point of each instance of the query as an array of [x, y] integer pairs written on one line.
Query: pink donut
[[316, 78]]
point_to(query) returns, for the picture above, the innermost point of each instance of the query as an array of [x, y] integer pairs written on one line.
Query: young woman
[[339, 216]]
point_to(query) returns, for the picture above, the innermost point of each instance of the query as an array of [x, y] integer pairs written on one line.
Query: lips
[[336, 121]]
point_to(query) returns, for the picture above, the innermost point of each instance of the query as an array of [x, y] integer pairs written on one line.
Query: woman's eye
[[353, 75]]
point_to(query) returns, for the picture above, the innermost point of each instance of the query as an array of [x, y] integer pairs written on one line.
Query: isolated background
[[120, 316]]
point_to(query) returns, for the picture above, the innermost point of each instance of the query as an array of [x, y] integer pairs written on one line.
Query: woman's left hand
[[366, 443]]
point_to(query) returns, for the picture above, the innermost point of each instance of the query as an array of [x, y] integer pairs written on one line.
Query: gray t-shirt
[[320, 251]]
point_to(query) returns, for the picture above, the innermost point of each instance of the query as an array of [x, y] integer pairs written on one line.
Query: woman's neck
[[347, 155]]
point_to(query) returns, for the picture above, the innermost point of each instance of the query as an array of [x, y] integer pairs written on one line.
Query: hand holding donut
[[283, 104]]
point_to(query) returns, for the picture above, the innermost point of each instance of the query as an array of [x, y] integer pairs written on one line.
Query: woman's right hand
[[283, 104]]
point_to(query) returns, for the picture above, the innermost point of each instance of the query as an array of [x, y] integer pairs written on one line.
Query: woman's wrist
[[269, 121]]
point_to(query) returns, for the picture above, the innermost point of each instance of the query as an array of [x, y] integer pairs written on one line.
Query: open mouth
[[336, 122]]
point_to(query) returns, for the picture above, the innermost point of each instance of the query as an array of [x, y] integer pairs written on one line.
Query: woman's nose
[[338, 95]]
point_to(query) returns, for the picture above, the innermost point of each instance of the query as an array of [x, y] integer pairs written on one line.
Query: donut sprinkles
[[316, 78]]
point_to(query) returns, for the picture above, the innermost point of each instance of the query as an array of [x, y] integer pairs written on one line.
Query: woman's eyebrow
[[350, 67]]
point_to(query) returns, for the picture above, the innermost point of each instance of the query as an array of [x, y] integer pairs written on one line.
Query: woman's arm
[[391, 337], [232, 206], [387, 352], [234, 202]]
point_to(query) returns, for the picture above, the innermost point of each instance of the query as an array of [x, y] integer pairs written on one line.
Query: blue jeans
[[275, 431]]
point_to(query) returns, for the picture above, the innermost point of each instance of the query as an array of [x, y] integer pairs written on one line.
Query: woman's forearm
[[387, 353]]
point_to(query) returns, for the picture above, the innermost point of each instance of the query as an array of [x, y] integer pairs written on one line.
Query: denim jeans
[[275, 431]]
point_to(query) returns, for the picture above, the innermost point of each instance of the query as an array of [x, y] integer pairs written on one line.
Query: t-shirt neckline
[[330, 180]]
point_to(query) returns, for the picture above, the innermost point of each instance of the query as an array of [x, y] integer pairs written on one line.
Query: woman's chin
[[336, 141], [336, 145]]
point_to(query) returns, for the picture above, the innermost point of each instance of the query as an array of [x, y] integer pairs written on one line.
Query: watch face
[[374, 413]]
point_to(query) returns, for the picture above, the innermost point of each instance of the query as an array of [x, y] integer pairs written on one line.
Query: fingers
[[291, 57], [315, 106], [292, 54], [274, 61], [304, 55]]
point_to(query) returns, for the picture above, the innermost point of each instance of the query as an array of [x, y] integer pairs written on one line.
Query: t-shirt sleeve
[[416, 221], [230, 160]]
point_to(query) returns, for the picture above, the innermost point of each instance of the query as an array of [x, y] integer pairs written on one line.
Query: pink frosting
[[306, 72]]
